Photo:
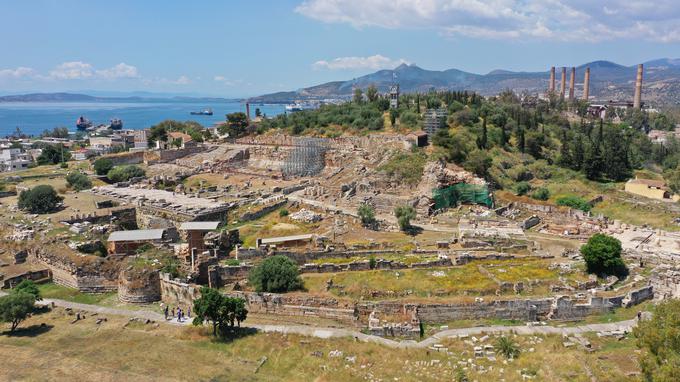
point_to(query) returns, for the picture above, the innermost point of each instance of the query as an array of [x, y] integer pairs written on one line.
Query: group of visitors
[[170, 313]]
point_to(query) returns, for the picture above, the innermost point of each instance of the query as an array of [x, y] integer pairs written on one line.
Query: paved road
[[320, 332]]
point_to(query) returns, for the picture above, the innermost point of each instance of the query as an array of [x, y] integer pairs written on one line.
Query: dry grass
[[114, 351]]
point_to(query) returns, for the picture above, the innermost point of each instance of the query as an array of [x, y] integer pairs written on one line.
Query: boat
[[116, 124], [202, 112], [294, 107], [83, 123]]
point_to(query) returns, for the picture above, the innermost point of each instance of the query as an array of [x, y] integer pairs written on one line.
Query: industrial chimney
[[551, 86], [563, 84], [637, 100], [586, 85], [571, 83], [248, 112]]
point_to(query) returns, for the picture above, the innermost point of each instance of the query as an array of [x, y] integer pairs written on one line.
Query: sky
[[244, 48]]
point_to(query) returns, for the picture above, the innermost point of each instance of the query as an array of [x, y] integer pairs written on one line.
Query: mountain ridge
[[608, 81]]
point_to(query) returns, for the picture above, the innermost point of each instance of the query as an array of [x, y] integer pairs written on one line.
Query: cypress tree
[[565, 159], [482, 141], [578, 154], [520, 140]]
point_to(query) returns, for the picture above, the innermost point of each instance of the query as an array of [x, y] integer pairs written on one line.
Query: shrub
[[283, 212], [372, 262], [406, 167], [102, 166], [574, 202], [78, 181], [366, 214], [602, 254], [522, 188], [39, 199], [124, 173], [507, 347], [275, 274], [541, 194], [404, 215], [660, 339]]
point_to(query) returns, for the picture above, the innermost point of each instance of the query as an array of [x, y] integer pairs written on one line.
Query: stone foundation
[[139, 287]]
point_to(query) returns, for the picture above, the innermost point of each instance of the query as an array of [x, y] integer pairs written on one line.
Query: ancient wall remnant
[[139, 286]]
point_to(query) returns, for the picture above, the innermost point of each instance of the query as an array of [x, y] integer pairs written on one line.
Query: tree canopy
[[222, 311], [40, 199], [125, 173], [15, 307], [78, 181], [602, 254], [102, 166], [53, 154], [275, 274]]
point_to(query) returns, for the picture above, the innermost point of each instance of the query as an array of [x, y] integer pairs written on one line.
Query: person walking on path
[[189, 312], [166, 313], [179, 314]]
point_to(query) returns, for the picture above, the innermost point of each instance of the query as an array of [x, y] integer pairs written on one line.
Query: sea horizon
[[32, 118]]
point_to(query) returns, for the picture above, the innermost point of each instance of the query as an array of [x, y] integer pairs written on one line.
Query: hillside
[[609, 81]]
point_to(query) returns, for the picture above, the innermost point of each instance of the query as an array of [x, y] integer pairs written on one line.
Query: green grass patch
[[55, 291]]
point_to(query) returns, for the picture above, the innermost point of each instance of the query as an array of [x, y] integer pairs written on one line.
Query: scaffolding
[[461, 193], [307, 158]]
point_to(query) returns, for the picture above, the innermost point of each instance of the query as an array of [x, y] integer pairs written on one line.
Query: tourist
[[189, 312], [179, 314], [166, 313], [639, 315]]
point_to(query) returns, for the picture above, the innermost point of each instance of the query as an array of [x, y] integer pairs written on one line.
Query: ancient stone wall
[[261, 211], [139, 286], [178, 293], [126, 158], [95, 275]]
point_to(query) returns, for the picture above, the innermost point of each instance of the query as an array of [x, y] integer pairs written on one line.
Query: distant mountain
[[608, 81], [74, 97]]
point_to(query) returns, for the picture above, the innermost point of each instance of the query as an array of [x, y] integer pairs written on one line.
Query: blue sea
[[34, 117]]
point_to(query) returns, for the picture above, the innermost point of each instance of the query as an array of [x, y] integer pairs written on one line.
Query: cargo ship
[[83, 123], [116, 124], [202, 112]]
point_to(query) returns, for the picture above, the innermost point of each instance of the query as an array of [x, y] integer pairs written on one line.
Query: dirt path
[[320, 332]]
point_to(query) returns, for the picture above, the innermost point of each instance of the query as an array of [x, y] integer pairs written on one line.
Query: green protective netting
[[461, 193]]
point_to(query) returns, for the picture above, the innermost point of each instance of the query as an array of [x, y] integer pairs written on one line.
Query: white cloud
[[121, 70], [374, 62], [227, 82], [73, 70], [181, 80], [17, 73], [562, 20]]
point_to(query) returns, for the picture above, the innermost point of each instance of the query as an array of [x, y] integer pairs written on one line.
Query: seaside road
[[326, 333]]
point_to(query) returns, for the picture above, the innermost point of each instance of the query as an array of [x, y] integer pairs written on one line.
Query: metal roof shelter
[[199, 226], [283, 239], [137, 235]]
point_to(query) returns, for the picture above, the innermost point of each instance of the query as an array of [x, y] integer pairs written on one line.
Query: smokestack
[[563, 84], [551, 86], [571, 84], [586, 85], [637, 100], [248, 112]]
